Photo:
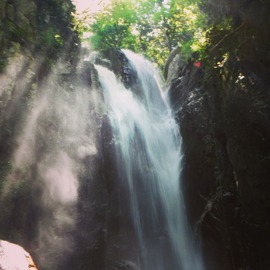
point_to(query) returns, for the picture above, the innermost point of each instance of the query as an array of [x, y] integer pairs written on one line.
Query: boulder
[[15, 257]]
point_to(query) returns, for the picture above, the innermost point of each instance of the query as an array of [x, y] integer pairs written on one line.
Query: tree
[[152, 27], [113, 26]]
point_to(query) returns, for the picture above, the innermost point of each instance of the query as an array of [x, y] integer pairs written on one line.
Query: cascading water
[[147, 146], [61, 193]]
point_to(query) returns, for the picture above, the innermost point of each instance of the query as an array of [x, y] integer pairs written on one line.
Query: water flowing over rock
[[95, 176], [90, 153], [147, 151]]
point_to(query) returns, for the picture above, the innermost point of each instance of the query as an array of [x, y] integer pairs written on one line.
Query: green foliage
[[42, 26], [51, 38], [113, 26], [55, 29], [151, 27], [81, 23], [219, 42]]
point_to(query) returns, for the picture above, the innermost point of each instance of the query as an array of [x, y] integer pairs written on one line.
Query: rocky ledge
[[15, 257]]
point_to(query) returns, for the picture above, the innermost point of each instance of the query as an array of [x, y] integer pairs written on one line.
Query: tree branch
[[226, 36]]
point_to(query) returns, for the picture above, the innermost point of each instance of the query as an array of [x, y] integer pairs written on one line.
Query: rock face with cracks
[[223, 109]]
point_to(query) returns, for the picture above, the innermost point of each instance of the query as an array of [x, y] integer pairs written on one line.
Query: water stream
[[79, 210], [148, 151]]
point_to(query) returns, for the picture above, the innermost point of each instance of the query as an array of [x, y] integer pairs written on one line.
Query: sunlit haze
[[91, 6]]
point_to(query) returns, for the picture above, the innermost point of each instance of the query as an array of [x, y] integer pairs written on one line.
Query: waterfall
[[76, 207], [148, 156]]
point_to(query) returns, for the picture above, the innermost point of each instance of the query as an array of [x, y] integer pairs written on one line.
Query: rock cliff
[[223, 108], [222, 104]]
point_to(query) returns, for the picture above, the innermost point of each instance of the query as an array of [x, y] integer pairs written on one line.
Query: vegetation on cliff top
[[205, 29], [153, 28], [43, 27]]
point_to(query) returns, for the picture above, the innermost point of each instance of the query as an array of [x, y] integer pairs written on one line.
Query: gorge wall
[[46, 106], [223, 107]]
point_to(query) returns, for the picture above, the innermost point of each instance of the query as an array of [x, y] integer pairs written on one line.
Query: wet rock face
[[225, 130], [37, 27], [205, 168], [123, 265], [246, 115], [120, 65], [18, 22], [14, 257], [190, 103], [224, 115]]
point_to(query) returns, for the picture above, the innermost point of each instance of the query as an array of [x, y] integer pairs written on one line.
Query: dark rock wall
[[37, 41], [223, 108]]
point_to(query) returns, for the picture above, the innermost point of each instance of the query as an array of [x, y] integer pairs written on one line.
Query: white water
[[147, 145]]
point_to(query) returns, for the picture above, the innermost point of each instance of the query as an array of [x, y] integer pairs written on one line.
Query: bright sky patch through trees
[[91, 6]]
